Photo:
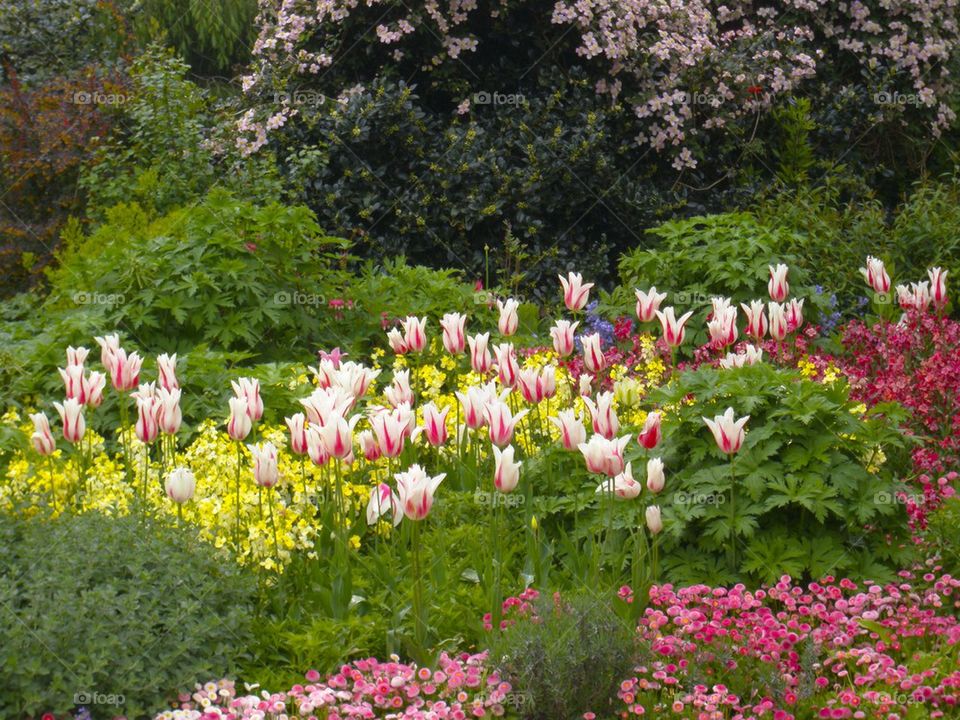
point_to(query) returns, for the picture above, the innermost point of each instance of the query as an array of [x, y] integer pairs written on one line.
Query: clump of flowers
[[460, 686]]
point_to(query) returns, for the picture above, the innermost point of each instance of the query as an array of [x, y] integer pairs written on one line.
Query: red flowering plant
[[915, 363]]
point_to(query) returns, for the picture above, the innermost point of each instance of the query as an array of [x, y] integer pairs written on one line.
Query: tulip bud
[[502, 422], [651, 433], [435, 424], [77, 355], [42, 437], [167, 371], [575, 291], [382, 501], [727, 431], [507, 367], [756, 321], [655, 475], [368, 445], [454, 339], [337, 435], [415, 491], [414, 333], [778, 320], [777, 286], [654, 521], [266, 472], [673, 328], [93, 385], [563, 337], [605, 421], [593, 358], [249, 388], [507, 472], [397, 343], [109, 344], [509, 320], [480, 359], [296, 424], [180, 485], [148, 411], [389, 427], [648, 303], [938, 286], [71, 416], [572, 431], [239, 424], [169, 414], [400, 390], [876, 275]]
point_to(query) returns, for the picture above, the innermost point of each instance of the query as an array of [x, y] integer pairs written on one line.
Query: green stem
[[180, 514], [419, 624], [733, 517], [273, 526], [236, 531], [53, 489], [303, 475], [341, 520], [495, 557]]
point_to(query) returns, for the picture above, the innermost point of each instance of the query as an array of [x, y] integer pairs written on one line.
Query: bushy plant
[[112, 614], [569, 660], [166, 149], [812, 492], [725, 255], [224, 272]]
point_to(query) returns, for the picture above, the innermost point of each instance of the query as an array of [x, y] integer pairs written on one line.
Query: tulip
[[727, 431], [777, 286], [239, 424], [42, 437], [326, 403], [673, 328], [604, 456], [506, 474], [71, 416], [169, 415], [454, 339], [109, 344], [651, 434], [93, 385], [368, 445], [326, 374], [124, 369], [383, 500], [73, 383], [575, 291], [794, 314], [921, 295], [751, 355], [507, 367], [778, 320], [508, 322], [397, 342], [296, 424], [654, 521], [389, 427], [562, 334], [585, 384], [593, 358], [876, 275], [548, 381], [145, 391], [572, 431], [435, 424], [480, 359], [148, 411], [530, 385], [648, 303], [415, 490], [180, 485], [266, 472], [408, 419], [414, 333], [605, 420], [353, 378], [623, 486], [337, 435], [249, 388], [78, 355], [723, 327], [655, 476], [502, 422], [938, 285], [400, 391], [315, 447], [167, 371], [756, 321]]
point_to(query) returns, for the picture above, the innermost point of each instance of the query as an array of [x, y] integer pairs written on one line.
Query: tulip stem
[[180, 514], [303, 475], [53, 489], [419, 625], [273, 526], [733, 516], [495, 543], [341, 521], [236, 532], [458, 436], [124, 416]]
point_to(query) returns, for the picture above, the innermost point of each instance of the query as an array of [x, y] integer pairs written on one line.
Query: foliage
[[101, 608], [942, 534], [213, 37], [811, 476], [42, 39], [717, 255], [224, 272], [166, 149], [47, 132], [570, 661]]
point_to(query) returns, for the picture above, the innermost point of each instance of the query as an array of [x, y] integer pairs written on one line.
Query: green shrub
[[815, 483], [115, 614], [224, 272], [716, 255], [167, 149], [568, 662]]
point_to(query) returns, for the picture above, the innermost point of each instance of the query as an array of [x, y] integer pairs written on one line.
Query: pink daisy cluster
[[461, 687]]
